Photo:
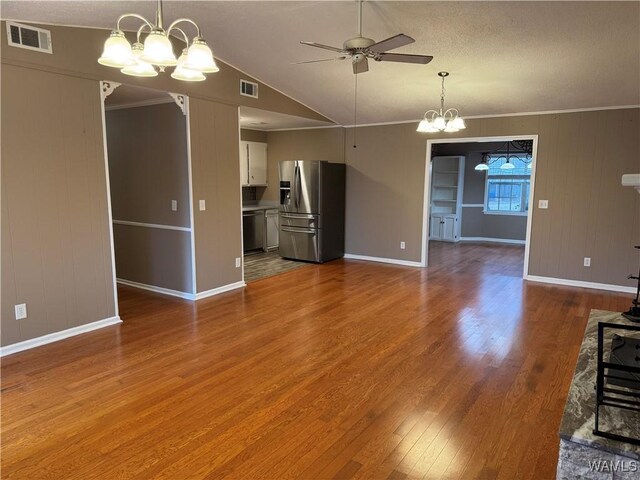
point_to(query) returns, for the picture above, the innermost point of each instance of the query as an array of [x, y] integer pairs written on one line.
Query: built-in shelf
[[447, 177]]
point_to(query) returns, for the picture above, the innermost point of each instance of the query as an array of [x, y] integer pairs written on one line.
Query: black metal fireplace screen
[[618, 379]]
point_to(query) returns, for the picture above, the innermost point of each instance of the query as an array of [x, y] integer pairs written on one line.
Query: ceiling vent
[[31, 38], [248, 89]]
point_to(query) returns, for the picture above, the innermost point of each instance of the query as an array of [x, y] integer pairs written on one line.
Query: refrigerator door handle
[[300, 230], [308, 216], [298, 185], [295, 185]]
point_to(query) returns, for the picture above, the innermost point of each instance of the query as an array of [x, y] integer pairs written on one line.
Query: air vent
[[26, 36], [248, 89]]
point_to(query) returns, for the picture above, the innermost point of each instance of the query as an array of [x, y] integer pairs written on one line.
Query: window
[[507, 191]]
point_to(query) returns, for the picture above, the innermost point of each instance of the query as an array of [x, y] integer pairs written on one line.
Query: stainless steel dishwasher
[[253, 230]]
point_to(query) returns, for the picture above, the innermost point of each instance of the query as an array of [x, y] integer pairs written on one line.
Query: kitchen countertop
[[255, 208]]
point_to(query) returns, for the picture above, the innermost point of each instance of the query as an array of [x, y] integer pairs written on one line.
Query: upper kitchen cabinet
[[253, 163]]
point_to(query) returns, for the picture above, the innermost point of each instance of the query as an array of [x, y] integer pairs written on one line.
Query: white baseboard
[[54, 337], [581, 284], [219, 290], [394, 261], [153, 288], [492, 240]]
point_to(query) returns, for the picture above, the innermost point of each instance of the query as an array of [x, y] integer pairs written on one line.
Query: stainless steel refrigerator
[[312, 210]]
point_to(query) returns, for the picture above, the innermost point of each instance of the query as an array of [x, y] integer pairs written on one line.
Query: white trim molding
[[153, 288], [219, 290], [393, 261], [427, 188], [579, 283], [493, 240], [107, 87], [151, 225], [473, 205], [56, 336]]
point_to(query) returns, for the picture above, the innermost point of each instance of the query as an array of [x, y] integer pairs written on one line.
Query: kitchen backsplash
[[249, 195]]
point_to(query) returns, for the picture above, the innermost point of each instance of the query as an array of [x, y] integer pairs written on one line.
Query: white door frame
[[182, 101], [424, 259]]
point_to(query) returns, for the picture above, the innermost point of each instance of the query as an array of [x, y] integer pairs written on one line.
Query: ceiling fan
[[360, 49]]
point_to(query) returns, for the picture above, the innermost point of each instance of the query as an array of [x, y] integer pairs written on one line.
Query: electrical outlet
[[174, 205], [587, 261], [202, 205], [238, 262], [543, 203], [21, 311], [402, 245]]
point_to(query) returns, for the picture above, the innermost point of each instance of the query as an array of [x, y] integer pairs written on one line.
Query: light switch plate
[[202, 205], [174, 205], [587, 261], [543, 203], [237, 262], [402, 245], [21, 311]]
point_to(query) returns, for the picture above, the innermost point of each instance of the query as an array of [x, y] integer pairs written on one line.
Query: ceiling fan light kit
[[156, 53], [441, 120]]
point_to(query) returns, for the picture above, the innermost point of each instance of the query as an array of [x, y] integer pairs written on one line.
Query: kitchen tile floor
[[266, 264]]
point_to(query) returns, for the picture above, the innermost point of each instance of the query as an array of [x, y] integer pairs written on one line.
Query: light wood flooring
[[343, 370]]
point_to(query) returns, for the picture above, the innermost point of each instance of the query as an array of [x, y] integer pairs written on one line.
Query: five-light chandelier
[[156, 53], [441, 120], [520, 150]]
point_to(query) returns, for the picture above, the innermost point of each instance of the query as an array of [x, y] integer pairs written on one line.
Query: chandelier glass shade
[[441, 120], [146, 59]]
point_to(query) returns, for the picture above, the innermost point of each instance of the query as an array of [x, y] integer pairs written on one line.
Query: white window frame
[[514, 178]]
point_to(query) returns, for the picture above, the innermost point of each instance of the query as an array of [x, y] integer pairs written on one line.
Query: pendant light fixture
[[520, 146], [441, 120], [146, 59]]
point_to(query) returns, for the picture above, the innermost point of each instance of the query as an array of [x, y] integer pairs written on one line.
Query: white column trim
[[107, 88]]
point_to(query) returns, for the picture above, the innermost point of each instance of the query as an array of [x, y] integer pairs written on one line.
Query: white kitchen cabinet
[[444, 228], [447, 180], [253, 163], [271, 217]]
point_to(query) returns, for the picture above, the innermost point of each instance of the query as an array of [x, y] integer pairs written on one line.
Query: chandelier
[[156, 53], [520, 147], [441, 120]]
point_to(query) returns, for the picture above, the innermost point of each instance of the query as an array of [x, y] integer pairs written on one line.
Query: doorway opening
[[478, 202], [149, 185]]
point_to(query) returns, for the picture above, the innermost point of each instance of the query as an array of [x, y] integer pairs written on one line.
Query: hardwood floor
[[345, 370]]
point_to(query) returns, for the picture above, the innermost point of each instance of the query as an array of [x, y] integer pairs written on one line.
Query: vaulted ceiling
[[504, 57]]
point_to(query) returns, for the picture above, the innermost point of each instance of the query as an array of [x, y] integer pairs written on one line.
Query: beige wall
[[76, 50], [56, 253], [216, 179], [157, 257], [581, 158], [313, 144], [148, 168], [249, 135]]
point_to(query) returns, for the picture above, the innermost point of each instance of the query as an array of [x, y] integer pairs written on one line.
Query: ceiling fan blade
[[361, 66], [321, 60], [390, 43], [403, 58], [319, 45]]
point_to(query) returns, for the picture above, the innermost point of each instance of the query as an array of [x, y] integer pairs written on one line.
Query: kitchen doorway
[[479, 191]]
